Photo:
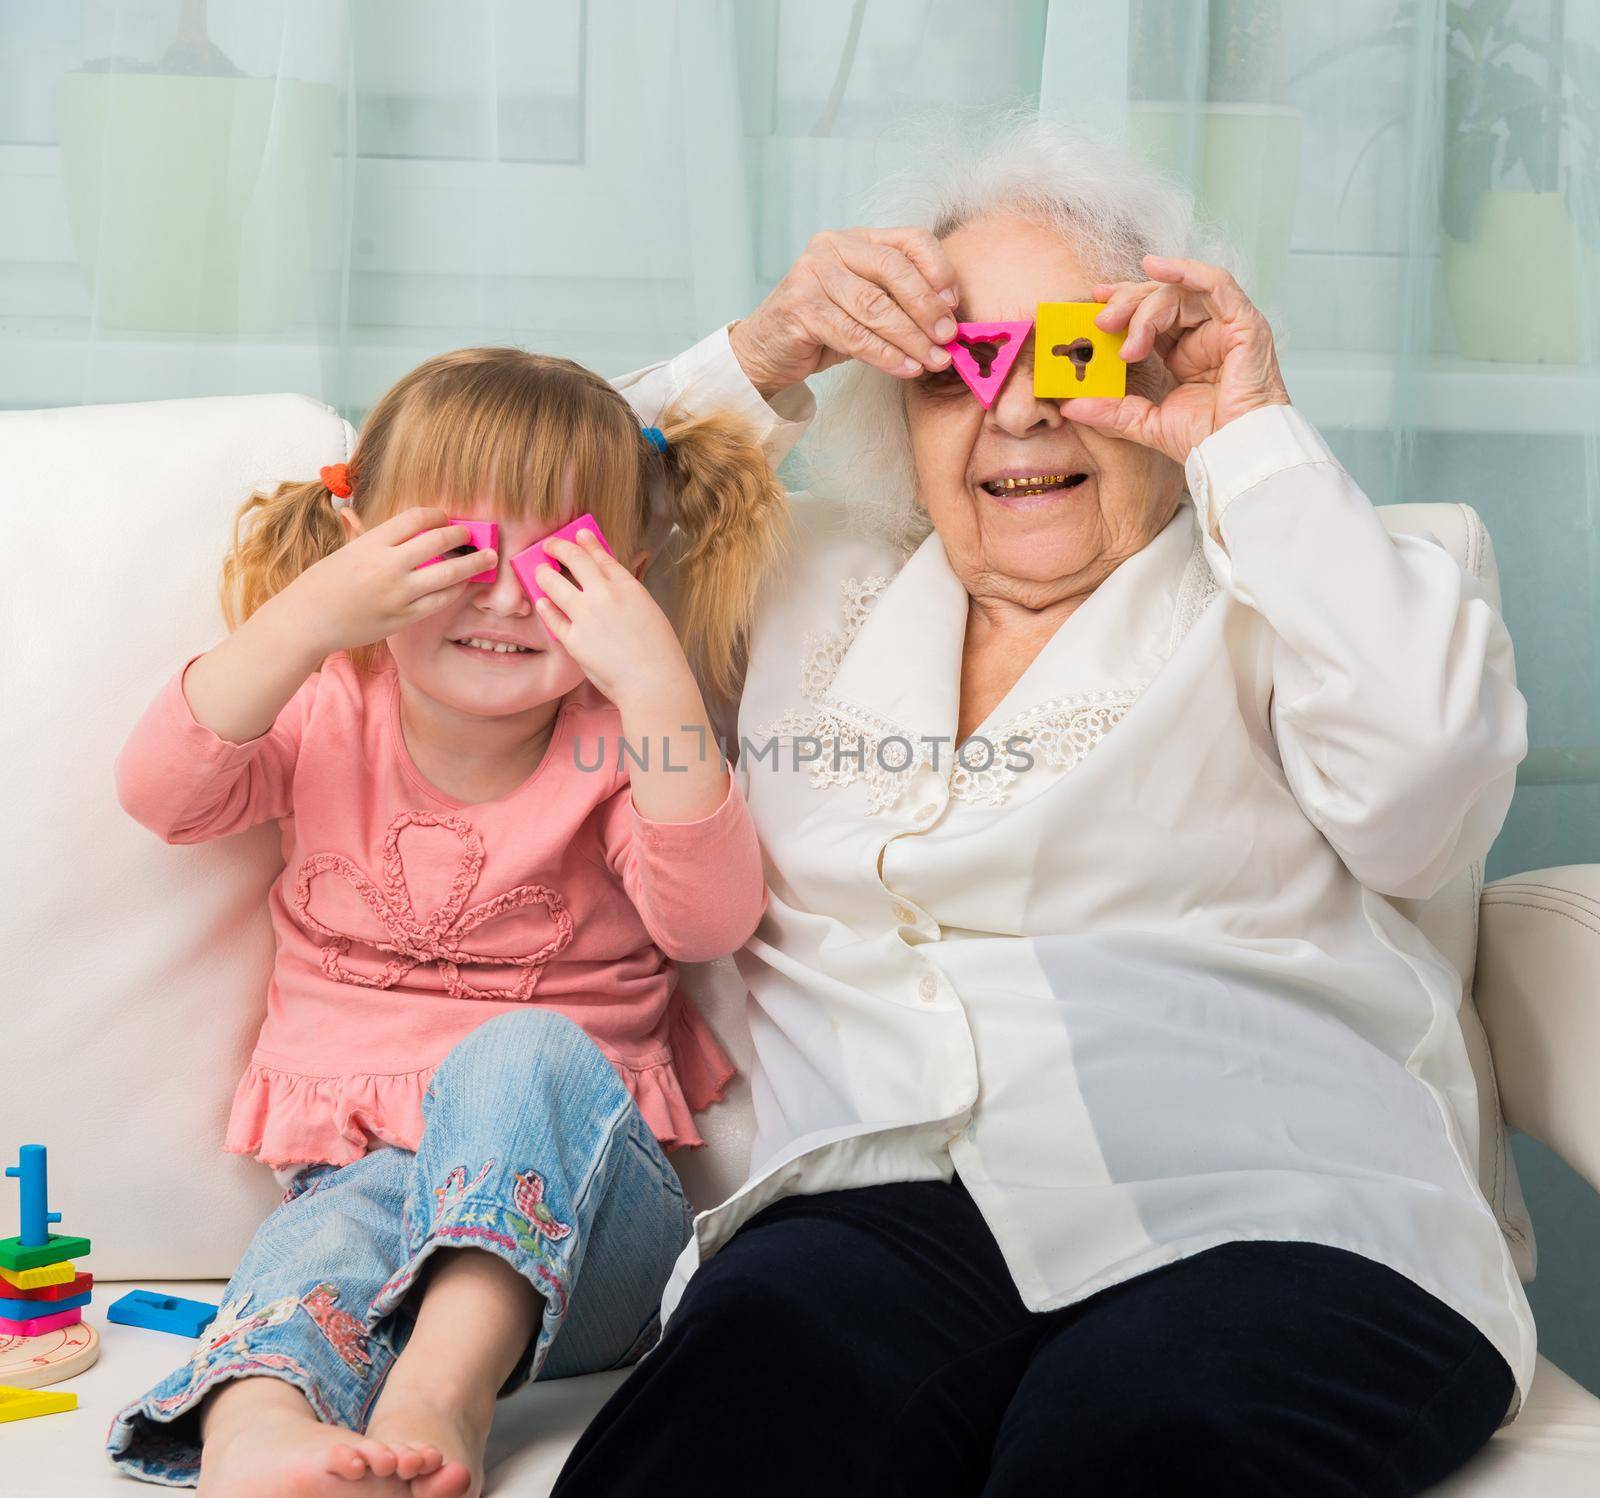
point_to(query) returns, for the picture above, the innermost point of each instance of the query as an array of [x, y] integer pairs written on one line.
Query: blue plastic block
[[26, 1310], [162, 1313]]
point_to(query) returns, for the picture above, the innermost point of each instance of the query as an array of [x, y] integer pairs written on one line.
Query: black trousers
[[871, 1342]]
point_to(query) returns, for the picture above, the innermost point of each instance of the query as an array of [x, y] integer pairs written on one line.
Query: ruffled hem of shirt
[[670, 1094], [286, 1119]]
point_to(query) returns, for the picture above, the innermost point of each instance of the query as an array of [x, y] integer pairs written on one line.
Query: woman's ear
[[350, 521], [641, 564]]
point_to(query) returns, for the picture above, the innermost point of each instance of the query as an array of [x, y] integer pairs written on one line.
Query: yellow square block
[[24, 1404], [1072, 357], [37, 1279]]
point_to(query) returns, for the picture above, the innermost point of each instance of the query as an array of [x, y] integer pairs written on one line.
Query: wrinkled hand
[[374, 585], [1213, 341], [883, 296], [606, 620]]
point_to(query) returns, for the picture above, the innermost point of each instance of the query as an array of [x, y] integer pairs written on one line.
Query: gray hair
[[1109, 204]]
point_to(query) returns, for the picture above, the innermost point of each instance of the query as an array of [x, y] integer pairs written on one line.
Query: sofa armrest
[[1538, 991]]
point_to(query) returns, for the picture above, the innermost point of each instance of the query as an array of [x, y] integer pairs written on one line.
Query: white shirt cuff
[[708, 376], [1238, 456]]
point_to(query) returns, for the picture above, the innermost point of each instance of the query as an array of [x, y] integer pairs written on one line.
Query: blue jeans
[[533, 1150]]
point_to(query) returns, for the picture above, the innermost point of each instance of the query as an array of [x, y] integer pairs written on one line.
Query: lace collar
[[880, 691]]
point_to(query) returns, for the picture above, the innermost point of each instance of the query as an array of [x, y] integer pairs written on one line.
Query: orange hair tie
[[336, 479]]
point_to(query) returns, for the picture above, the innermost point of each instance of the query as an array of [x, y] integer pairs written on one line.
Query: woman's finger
[[1221, 291], [886, 266], [1132, 417], [1160, 312], [867, 303], [1120, 302], [839, 331], [922, 248]]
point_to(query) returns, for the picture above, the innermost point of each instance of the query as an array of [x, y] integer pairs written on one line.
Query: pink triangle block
[[1008, 335]]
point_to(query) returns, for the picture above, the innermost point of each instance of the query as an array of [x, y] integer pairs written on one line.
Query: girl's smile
[[496, 646]]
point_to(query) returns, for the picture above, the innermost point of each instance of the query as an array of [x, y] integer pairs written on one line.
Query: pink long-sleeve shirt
[[405, 918]]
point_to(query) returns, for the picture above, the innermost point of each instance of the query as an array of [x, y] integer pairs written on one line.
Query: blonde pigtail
[[734, 517], [276, 537]]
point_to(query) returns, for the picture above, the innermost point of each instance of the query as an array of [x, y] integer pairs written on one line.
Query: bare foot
[[263, 1441], [419, 1418], [441, 1391]]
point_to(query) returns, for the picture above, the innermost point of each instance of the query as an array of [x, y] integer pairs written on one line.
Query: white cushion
[[139, 970]]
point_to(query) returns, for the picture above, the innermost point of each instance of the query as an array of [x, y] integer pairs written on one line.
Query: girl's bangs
[[528, 445]]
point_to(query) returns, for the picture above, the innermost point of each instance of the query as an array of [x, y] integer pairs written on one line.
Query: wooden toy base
[[33, 1362]]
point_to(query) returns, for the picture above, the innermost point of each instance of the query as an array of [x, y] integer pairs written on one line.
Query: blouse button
[[928, 988], [905, 915], [924, 813]]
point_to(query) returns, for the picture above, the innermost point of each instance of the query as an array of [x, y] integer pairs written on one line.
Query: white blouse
[[1138, 979]]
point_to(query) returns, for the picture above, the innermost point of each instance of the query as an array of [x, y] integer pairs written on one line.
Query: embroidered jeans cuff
[[525, 1234], [157, 1438]]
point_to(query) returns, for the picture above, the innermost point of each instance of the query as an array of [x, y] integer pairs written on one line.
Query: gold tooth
[[1035, 481]]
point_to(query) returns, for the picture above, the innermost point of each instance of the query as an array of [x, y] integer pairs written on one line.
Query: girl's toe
[[381, 1460], [452, 1480], [410, 1461], [346, 1462]]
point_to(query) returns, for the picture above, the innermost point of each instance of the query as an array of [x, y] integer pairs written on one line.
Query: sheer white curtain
[[248, 196], [262, 195]]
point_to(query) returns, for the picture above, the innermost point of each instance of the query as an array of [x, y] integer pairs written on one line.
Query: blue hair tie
[[655, 437]]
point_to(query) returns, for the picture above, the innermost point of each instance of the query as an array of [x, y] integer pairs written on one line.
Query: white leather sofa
[[135, 971]]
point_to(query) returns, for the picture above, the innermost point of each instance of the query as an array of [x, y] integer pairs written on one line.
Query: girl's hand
[[375, 585], [883, 296], [606, 620], [1211, 338]]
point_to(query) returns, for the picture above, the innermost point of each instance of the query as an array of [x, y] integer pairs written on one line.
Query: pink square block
[[526, 561], [485, 536], [37, 1326]]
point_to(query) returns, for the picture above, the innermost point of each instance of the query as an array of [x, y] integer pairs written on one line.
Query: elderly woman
[[1113, 1122]]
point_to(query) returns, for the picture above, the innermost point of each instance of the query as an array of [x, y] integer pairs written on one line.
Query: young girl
[[501, 822]]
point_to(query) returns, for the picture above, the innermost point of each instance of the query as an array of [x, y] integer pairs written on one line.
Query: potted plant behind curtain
[[192, 190], [1517, 192], [1206, 105]]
